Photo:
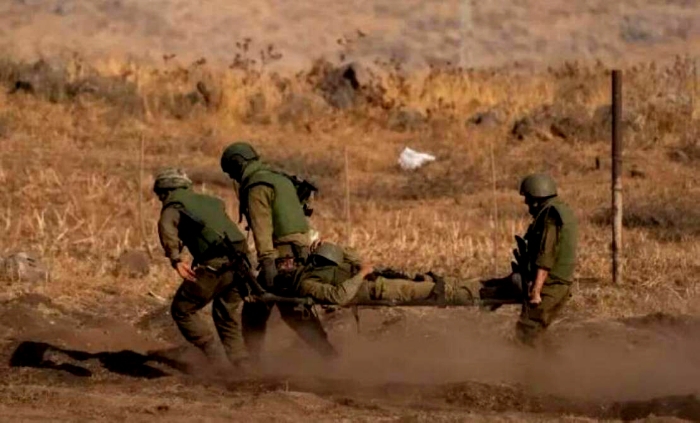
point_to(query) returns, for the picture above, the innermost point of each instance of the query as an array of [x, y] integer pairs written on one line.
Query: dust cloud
[[594, 360]]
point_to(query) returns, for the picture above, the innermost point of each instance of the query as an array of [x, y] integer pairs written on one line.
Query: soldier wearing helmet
[[546, 257], [336, 276], [217, 273], [269, 201]]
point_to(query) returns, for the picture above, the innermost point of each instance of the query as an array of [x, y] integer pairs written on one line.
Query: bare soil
[[405, 365]]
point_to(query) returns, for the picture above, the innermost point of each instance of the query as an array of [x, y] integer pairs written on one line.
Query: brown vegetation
[[71, 137], [72, 132]]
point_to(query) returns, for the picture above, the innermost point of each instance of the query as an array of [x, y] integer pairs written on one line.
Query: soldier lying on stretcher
[[336, 276]]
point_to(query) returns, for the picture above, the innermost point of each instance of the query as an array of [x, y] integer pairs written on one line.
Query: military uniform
[[199, 222], [548, 249], [551, 244], [336, 280], [281, 232]]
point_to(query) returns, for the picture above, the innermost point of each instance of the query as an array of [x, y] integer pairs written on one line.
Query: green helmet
[[235, 157], [538, 185], [171, 178], [331, 252]]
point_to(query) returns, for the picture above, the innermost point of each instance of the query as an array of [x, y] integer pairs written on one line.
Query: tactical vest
[[287, 212], [565, 263], [203, 223], [331, 274]]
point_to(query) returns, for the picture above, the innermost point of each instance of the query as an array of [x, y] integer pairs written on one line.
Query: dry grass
[[70, 156]]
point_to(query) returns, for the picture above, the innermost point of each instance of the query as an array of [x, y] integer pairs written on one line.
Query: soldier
[[268, 200], [218, 271], [336, 276], [546, 259]]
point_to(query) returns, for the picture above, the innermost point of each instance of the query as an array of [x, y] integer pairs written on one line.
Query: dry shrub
[[666, 219]]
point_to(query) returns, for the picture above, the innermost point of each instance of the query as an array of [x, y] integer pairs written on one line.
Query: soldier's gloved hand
[[268, 271]]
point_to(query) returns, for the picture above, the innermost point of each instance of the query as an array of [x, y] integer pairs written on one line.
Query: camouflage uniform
[[551, 241], [199, 222], [551, 244], [335, 280], [281, 233]]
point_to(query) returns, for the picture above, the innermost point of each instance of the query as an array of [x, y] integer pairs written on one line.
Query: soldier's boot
[[506, 288], [244, 367], [527, 334], [239, 360], [215, 354], [438, 293]]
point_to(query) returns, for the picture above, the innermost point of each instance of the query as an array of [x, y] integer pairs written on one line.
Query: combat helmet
[[330, 252], [235, 157], [538, 185], [170, 179]]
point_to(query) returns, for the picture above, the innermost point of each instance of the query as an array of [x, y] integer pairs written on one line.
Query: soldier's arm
[[332, 294], [168, 234], [260, 200]]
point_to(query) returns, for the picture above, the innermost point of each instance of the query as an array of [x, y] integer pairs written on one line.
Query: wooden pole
[[616, 174], [142, 222], [495, 209], [695, 88]]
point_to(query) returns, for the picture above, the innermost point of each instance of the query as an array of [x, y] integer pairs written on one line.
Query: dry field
[[82, 135], [486, 33]]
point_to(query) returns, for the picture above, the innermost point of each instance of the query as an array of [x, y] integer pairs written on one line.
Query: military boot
[[438, 290], [244, 367], [215, 355]]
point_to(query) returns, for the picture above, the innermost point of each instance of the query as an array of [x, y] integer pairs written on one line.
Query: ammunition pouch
[[223, 249]]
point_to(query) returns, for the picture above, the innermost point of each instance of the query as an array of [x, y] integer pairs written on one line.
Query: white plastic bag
[[411, 159]]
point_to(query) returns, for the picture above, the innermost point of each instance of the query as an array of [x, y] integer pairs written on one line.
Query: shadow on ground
[[126, 362]]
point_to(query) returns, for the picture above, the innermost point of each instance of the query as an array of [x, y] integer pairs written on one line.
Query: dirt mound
[[663, 322], [505, 398], [37, 318]]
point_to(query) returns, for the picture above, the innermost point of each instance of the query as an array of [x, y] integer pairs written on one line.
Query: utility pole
[[616, 174]]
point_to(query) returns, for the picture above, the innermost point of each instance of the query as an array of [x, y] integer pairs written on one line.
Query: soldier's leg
[[254, 317], [309, 328], [189, 299], [459, 293], [535, 319], [226, 310], [399, 290]]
